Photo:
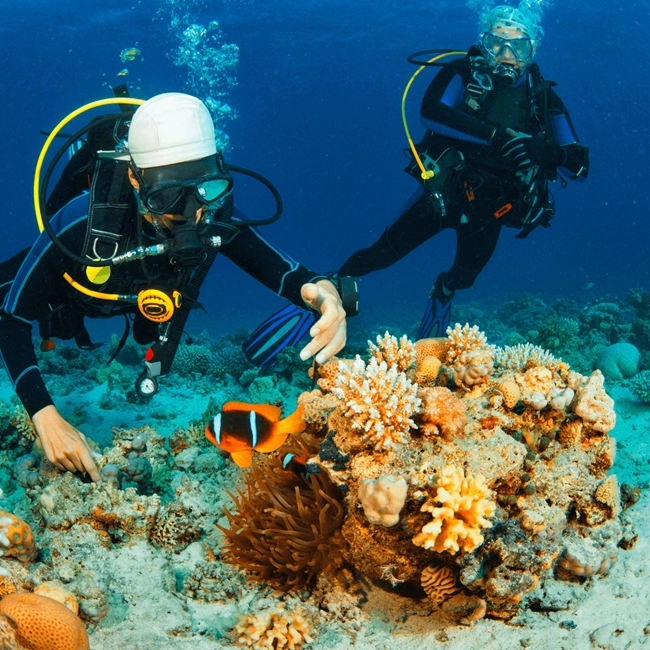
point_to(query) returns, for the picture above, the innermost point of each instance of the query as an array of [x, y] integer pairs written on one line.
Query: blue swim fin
[[286, 327], [435, 320]]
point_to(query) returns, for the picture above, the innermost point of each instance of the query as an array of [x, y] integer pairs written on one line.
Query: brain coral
[[461, 507], [43, 623], [439, 583]]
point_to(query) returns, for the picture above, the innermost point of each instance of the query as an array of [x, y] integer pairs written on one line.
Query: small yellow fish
[[123, 73], [129, 54]]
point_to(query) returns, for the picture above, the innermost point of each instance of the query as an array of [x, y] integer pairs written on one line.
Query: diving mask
[[170, 197], [167, 189], [521, 48]]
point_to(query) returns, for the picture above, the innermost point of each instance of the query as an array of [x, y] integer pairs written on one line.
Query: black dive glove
[[528, 151]]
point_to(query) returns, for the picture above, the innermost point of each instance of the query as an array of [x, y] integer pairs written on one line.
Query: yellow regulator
[[157, 305]]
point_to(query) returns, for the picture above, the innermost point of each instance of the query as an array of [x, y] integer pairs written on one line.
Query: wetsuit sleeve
[[576, 165], [37, 287], [440, 110], [268, 264]]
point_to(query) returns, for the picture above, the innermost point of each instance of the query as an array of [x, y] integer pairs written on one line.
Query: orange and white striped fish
[[240, 429]]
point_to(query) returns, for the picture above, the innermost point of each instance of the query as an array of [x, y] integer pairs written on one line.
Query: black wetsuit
[[486, 182], [34, 289]]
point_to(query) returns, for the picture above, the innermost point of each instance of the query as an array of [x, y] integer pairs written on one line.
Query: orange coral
[[490, 422], [510, 391], [326, 374], [43, 623], [7, 586], [431, 348], [274, 630], [16, 537], [427, 371], [460, 507], [441, 413]]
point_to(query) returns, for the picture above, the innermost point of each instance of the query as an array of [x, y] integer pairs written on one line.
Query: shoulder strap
[[110, 208]]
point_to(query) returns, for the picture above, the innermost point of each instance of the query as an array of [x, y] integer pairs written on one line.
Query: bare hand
[[329, 332], [64, 446]]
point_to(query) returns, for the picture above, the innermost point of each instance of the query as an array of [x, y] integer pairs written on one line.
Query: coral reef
[[505, 459]]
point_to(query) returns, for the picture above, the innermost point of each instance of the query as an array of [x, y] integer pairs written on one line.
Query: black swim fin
[[435, 320], [284, 328]]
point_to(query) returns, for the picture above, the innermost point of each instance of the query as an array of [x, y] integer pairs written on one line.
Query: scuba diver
[[497, 134], [138, 241]]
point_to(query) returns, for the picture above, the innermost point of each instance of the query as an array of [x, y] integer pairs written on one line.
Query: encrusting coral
[[383, 499], [505, 457]]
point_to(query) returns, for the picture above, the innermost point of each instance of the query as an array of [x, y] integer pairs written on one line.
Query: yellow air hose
[[54, 133], [426, 174]]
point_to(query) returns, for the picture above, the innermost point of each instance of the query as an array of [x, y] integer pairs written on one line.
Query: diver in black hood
[[497, 133]]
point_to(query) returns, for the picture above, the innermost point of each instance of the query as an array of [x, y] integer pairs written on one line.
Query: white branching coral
[[460, 508], [464, 339], [518, 357], [395, 353], [379, 401]]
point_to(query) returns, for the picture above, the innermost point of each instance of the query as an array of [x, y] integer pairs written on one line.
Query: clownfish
[[295, 464], [242, 428]]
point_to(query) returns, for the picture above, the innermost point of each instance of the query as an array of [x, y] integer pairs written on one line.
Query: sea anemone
[[285, 530]]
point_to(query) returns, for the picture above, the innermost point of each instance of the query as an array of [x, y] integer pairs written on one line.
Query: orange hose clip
[[504, 209]]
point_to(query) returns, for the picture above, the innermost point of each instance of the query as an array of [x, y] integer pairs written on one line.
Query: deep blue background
[[320, 85]]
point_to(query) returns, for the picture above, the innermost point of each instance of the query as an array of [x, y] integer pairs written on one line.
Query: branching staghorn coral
[[460, 507], [378, 400], [285, 528]]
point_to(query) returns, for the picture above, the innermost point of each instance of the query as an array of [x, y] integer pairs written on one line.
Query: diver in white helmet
[[133, 227], [496, 135]]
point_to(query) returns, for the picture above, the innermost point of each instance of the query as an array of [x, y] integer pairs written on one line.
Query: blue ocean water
[[318, 93]]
